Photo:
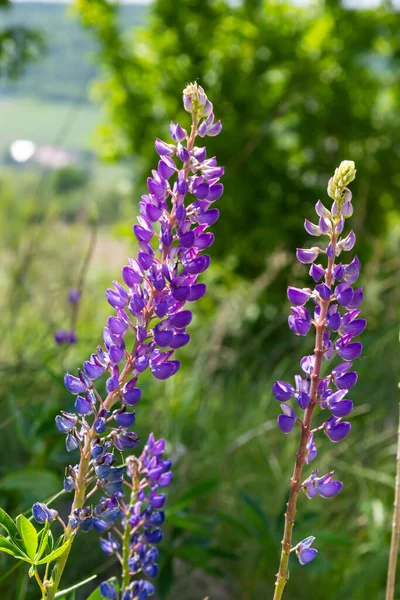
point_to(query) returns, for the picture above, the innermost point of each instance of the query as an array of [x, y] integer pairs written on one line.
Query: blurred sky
[[348, 3]]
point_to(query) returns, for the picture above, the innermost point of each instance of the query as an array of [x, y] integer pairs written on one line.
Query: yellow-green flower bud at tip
[[344, 174], [196, 102]]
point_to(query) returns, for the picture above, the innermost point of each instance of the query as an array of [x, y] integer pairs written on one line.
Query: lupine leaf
[[55, 554], [8, 524], [43, 539], [9, 548], [29, 535]]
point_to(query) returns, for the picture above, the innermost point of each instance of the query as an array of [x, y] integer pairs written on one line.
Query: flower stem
[[295, 482], [127, 528], [394, 544]]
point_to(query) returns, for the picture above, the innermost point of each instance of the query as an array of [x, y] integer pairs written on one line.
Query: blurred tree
[[19, 45], [298, 90], [69, 179]]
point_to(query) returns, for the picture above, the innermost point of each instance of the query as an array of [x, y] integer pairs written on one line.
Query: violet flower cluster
[[135, 547], [335, 316], [150, 321]]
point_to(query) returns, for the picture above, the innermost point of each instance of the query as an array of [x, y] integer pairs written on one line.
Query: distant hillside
[[64, 73]]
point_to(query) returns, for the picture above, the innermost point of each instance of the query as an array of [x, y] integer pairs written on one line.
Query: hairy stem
[[295, 482], [394, 544], [127, 528]]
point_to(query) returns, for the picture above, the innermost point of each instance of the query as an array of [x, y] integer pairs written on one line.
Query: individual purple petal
[[349, 241], [337, 431], [209, 217], [297, 296], [286, 423], [181, 319], [132, 395], [303, 400], [131, 277], [345, 297], [179, 340], [334, 321], [164, 149], [73, 384], [115, 299], [215, 192], [324, 291], [341, 408], [321, 210], [350, 351], [330, 489], [357, 299], [355, 327], [316, 272], [307, 555], [83, 405], [282, 391], [299, 326], [198, 265], [125, 419], [197, 291], [346, 381], [165, 369], [92, 371], [306, 256], [311, 228]]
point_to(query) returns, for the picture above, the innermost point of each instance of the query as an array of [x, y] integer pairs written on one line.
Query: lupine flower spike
[[150, 323], [335, 318], [135, 546]]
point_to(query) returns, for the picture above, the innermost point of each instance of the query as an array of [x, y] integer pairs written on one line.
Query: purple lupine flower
[[41, 513], [304, 552], [149, 323], [334, 314], [150, 474], [151, 306]]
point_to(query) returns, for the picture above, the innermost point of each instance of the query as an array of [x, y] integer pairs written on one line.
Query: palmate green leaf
[[29, 536], [9, 548], [8, 524], [53, 555]]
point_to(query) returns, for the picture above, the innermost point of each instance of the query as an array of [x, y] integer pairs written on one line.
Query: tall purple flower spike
[[151, 315], [334, 314]]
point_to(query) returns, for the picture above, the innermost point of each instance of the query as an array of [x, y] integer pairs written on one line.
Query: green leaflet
[[53, 555], [10, 548], [29, 536], [8, 524]]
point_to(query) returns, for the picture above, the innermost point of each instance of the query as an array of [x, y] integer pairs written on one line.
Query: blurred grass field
[[42, 122]]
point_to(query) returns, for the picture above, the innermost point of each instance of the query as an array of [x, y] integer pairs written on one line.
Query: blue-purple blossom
[[42, 513], [142, 519], [304, 552], [331, 309], [151, 303]]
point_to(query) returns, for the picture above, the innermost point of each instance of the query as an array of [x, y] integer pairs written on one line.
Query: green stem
[[394, 544]]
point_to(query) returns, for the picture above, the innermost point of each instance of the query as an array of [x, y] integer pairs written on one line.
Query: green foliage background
[[298, 90]]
